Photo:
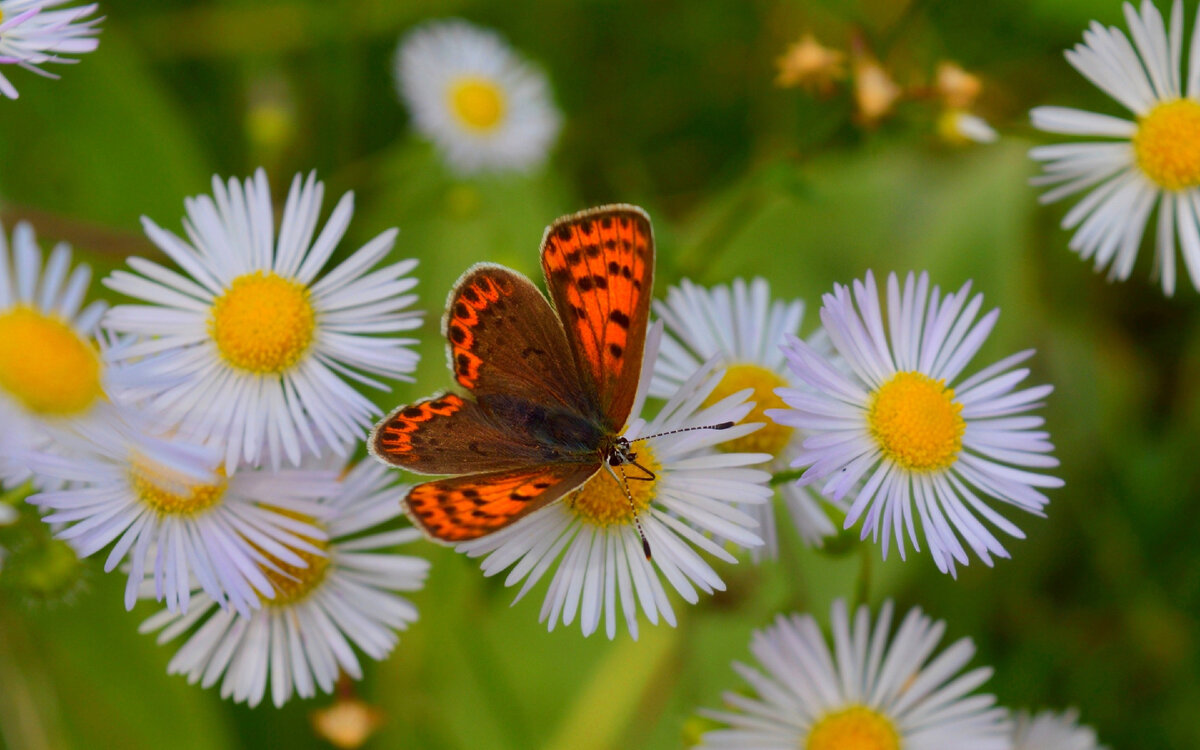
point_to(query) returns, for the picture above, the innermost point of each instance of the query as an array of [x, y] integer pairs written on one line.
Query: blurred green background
[[669, 105]]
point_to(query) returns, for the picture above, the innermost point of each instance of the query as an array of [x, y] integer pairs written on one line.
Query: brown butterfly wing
[[506, 340], [599, 266], [447, 434], [508, 347], [462, 508]]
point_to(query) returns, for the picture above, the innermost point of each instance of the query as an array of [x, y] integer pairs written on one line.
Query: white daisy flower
[[898, 429], [483, 106], [260, 350], [52, 374], [1051, 731], [594, 537], [867, 693], [344, 598], [741, 326], [1154, 159], [168, 507], [33, 33]]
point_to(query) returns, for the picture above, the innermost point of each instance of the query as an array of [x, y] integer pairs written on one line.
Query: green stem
[[787, 475]]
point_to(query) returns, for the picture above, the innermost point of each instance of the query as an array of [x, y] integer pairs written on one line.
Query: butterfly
[[550, 384]]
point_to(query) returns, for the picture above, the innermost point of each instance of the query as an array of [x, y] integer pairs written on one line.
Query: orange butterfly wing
[[599, 266], [468, 507]]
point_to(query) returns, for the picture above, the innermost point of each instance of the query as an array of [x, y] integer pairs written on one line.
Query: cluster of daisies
[[200, 439]]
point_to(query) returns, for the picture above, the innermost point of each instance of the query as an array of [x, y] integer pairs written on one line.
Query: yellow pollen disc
[[1167, 144], [292, 583], [854, 728], [602, 502], [917, 422], [46, 365], [169, 494], [478, 103], [263, 323], [770, 438]]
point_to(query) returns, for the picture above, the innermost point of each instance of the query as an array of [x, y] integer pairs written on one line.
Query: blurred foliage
[[669, 105]]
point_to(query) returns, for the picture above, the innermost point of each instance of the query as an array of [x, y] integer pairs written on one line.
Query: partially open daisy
[[168, 506], [468, 92], [36, 32], [1052, 731], [592, 534], [51, 372], [258, 344], [743, 328], [865, 694], [1154, 159], [900, 431], [303, 637]]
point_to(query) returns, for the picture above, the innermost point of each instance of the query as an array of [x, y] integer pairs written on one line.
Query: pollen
[[917, 422], [263, 323], [1167, 144], [45, 365], [478, 103], [602, 502], [853, 728], [292, 583], [770, 438], [169, 494]]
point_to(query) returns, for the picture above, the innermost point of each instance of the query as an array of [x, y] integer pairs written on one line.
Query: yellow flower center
[[293, 584], [1167, 144], [602, 502], [854, 728], [168, 493], [770, 438], [917, 422], [478, 103], [46, 365], [263, 323]]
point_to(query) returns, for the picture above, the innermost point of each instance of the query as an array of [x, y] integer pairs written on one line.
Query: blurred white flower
[[484, 107]]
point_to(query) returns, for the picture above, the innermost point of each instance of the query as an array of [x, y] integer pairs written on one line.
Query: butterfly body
[[551, 383]]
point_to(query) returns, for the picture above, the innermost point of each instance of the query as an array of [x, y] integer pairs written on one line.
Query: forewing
[[468, 507], [447, 434], [506, 340], [599, 266]]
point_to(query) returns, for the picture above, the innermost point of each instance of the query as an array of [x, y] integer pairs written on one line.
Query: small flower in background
[[348, 722], [741, 326], [259, 349], [31, 34], [957, 88], [957, 127], [866, 694], [485, 108], [899, 433], [811, 66], [1052, 731], [592, 533], [167, 505], [875, 93], [341, 596], [52, 375], [1153, 160]]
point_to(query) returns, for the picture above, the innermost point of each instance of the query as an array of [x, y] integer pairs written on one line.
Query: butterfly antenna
[[624, 484], [721, 426]]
